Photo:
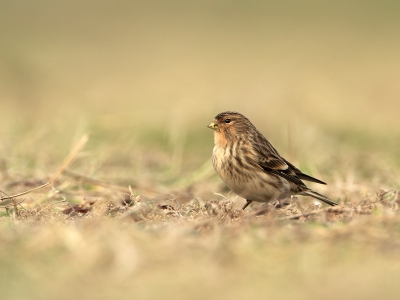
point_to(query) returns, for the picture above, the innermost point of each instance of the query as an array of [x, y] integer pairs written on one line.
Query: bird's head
[[228, 125]]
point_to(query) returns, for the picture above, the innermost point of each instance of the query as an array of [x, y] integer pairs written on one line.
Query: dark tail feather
[[319, 197], [303, 176]]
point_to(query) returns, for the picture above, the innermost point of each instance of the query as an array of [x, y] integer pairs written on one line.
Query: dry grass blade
[[97, 182], [11, 201], [71, 157], [316, 212]]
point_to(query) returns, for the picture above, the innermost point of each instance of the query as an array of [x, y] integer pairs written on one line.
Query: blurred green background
[[161, 70]]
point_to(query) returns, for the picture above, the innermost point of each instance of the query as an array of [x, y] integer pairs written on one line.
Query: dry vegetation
[[110, 102]]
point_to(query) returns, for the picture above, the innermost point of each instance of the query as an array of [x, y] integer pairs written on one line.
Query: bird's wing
[[270, 161], [301, 175]]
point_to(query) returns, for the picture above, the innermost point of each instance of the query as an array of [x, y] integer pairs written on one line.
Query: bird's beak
[[213, 126]]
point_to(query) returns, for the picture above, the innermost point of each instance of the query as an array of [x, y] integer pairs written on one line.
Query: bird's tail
[[319, 197]]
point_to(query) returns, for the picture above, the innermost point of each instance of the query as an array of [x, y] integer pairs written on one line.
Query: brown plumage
[[251, 167]]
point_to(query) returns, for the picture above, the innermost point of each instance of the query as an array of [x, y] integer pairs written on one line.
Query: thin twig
[[24, 193]]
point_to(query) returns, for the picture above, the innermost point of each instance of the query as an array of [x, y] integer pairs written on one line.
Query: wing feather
[[270, 161]]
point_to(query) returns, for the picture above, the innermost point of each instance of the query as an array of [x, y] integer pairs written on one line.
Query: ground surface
[[110, 102]]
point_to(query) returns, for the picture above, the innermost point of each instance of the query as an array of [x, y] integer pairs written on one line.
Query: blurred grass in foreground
[[205, 253], [143, 79]]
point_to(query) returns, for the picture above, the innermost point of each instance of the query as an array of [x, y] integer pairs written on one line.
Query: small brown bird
[[251, 167]]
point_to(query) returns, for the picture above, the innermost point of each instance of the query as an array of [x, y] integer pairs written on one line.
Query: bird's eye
[[227, 120]]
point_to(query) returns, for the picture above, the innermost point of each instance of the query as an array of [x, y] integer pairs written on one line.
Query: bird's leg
[[247, 204], [280, 203]]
